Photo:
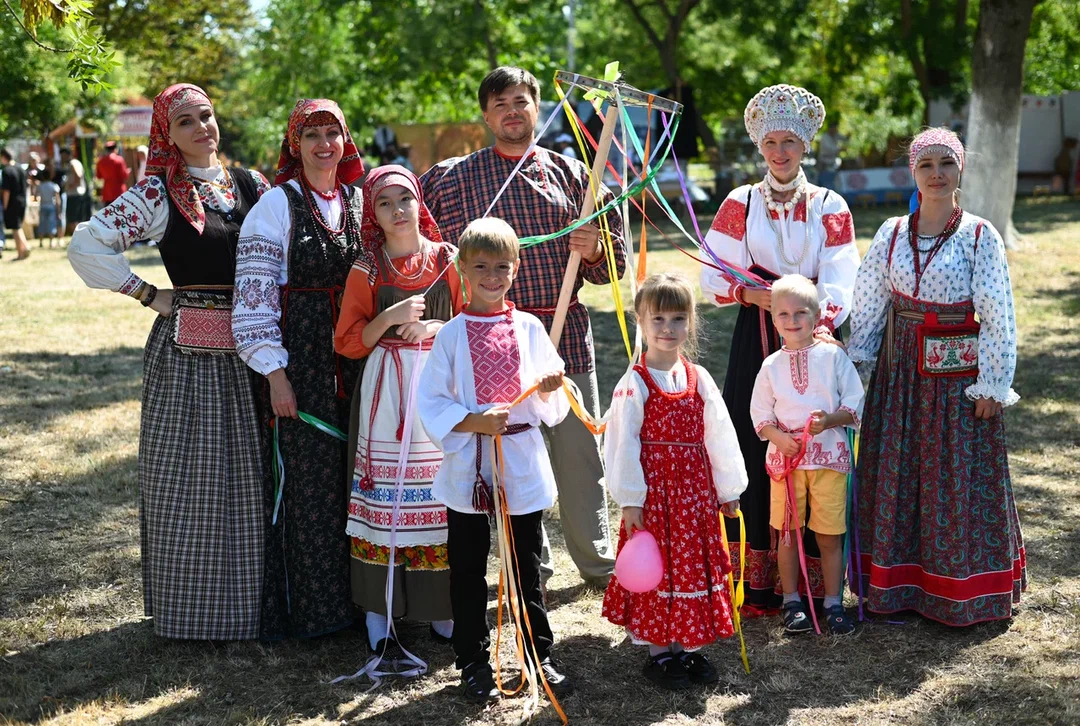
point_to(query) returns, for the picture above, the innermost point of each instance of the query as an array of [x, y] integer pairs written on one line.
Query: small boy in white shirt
[[481, 361], [813, 385]]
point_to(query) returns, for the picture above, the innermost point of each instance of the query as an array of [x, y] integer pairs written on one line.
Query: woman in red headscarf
[[296, 249], [399, 292], [200, 463]]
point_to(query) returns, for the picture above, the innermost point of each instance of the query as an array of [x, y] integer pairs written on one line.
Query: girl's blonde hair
[[798, 288], [669, 292]]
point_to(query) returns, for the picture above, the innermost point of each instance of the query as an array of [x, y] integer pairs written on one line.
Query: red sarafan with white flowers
[[691, 606]]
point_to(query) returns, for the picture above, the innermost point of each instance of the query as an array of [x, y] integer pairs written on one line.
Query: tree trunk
[[993, 141]]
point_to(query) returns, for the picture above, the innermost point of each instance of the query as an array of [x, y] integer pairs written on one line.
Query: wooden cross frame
[[632, 97]]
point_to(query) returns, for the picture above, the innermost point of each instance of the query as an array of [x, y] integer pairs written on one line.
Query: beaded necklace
[[400, 276], [939, 241], [799, 184], [335, 235]]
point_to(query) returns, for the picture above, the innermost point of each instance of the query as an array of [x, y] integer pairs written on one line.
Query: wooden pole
[[587, 208]]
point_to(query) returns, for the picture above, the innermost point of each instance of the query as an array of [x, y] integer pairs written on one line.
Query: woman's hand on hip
[[163, 303]]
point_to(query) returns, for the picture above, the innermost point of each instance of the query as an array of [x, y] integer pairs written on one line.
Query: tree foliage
[[89, 59]]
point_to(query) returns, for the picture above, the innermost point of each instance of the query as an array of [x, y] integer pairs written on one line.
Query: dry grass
[[74, 648]]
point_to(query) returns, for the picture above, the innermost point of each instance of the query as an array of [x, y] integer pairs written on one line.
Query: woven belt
[[483, 499], [916, 316]]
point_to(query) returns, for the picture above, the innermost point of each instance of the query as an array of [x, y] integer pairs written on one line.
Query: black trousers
[[468, 544]]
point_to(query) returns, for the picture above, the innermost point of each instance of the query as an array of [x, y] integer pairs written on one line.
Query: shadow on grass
[[46, 386]]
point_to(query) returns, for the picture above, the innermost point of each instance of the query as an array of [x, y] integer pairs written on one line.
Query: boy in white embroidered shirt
[[812, 385], [482, 360]]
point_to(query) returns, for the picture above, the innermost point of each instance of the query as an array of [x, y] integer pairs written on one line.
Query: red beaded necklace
[[314, 209], [913, 239]]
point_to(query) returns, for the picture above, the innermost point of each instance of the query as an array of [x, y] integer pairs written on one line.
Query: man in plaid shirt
[[544, 196]]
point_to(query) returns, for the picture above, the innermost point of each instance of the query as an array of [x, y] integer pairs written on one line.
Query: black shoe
[[438, 637], [478, 683], [796, 618], [698, 668], [387, 645], [558, 682], [839, 622], [667, 671]]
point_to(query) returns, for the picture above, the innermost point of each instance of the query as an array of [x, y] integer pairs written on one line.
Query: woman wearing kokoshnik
[[780, 226], [200, 460], [402, 288], [295, 252], [938, 528]]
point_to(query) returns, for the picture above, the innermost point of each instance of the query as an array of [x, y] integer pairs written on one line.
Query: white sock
[[655, 650], [831, 600], [445, 628], [791, 597], [377, 627]]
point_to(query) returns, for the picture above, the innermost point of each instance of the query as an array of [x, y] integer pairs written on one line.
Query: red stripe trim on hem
[[949, 588]]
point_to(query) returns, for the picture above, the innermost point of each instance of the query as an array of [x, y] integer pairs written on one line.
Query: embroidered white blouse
[[141, 213], [448, 393], [793, 383], [830, 253], [622, 440], [962, 270], [262, 269]]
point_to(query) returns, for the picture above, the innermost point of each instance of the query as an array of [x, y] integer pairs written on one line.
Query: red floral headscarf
[[165, 158], [316, 112], [391, 175]]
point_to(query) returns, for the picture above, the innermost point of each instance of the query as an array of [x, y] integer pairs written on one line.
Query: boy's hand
[[493, 421], [818, 422], [633, 518], [787, 444], [550, 382], [730, 509]]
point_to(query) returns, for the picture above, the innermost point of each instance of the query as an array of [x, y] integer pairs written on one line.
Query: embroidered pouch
[[202, 323], [948, 350]]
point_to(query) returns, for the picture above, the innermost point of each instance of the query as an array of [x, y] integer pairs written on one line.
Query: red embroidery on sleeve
[[839, 229]]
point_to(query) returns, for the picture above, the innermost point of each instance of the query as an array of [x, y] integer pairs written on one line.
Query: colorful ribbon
[[738, 592]]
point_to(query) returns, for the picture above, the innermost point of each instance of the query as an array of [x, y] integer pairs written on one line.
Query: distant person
[[383, 139], [113, 171], [140, 155], [401, 157], [1063, 165], [564, 144], [48, 210], [13, 182], [77, 193], [828, 154]]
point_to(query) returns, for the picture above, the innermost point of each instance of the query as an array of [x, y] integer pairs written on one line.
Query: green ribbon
[[277, 462]]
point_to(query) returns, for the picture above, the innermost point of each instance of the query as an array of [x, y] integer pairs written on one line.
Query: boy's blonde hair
[[490, 235], [669, 292], [800, 289]]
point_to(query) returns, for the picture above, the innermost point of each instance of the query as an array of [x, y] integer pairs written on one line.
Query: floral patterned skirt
[[937, 520]]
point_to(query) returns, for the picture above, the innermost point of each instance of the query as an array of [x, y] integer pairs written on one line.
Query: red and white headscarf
[[392, 175], [935, 140], [316, 112], [165, 158]]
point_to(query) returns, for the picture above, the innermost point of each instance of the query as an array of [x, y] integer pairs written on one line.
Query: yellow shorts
[[827, 490]]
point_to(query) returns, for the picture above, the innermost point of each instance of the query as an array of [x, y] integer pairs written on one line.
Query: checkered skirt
[[201, 493]]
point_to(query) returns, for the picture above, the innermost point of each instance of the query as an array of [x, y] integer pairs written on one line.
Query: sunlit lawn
[[74, 647]]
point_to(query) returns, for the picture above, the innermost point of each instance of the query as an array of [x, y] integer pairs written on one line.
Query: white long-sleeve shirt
[[791, 385], [448, 393], [626, 479], [744, 240], [964, 269], [262, 269], [141, 213]]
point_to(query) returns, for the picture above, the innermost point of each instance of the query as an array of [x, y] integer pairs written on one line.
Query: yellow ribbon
[[737, 592]]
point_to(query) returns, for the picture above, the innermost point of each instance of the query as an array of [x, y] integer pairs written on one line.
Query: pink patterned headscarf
[[316, 112], [371, 232], [165, 158], [937, 140]]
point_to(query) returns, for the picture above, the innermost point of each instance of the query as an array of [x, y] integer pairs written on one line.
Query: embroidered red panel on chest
[[839, 229], [800, 369], [496, 360]]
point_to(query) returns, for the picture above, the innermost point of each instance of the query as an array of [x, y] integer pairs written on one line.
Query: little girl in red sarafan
[[673, 462]]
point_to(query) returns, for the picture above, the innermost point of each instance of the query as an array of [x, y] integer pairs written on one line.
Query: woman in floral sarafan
[[937, 523]]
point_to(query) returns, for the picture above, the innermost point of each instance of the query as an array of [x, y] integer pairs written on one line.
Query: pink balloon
[[640, 567]]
